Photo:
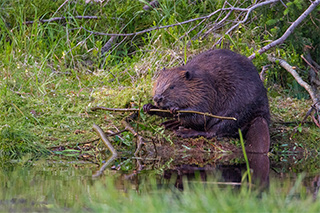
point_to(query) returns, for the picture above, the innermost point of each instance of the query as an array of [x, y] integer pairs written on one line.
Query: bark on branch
[[62, 18], [160, 110], [105, 140], [294, 73], [288, 31], [314, 96], [249, 10]]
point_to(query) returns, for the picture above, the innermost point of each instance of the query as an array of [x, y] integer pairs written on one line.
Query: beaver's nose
[[158, 98]]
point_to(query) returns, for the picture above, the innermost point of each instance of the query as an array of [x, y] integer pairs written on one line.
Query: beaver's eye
[[171, 87]]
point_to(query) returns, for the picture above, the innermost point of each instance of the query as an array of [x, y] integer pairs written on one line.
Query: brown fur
[[220, 82]]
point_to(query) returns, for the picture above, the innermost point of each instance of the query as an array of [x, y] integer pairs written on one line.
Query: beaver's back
[[234, 78]]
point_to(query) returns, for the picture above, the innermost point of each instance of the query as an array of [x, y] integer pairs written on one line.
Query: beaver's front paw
[[146, 108], [174, 110]]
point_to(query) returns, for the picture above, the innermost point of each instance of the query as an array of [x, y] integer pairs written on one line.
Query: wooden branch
[[140, 139], [248, 10], [105, 140], [109, 44], [300, 81], [179, 23], [161, 110], [65, 2], [315, 121], [312, 67], [61, 18], [313, 95], [307, 115], [288, 31], [104, 166]]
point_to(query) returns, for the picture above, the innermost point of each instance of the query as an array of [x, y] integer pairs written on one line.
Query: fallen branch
[[140, 139], [105, 140], [161, 110], [300, 81], [306, 86], [61, 18], [104, 166], [109, 44], [288, 31]]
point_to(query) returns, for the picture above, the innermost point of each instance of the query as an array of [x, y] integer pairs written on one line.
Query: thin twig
[[315, 121], [104, 138], [294, 73], [62, 18], [312, 67], [79, 43], [166, 26], [140, 139], [307, 115], [162, 110], [66, 1], [306, 86], [249, 10], [288, 31], [104, 166]]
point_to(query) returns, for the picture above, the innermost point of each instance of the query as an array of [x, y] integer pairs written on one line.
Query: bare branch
[[288, 31], [140, 139], [312, 67], [62, 18], [105, 140], [109, 44], [66, 1], [173, 25], [161, 110], [300, 81], [104, 166], [249, 10]]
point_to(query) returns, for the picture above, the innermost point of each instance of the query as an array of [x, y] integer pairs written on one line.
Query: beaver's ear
[[188, 75]]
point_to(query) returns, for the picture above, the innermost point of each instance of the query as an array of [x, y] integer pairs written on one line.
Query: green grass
[[51, 74], [57, 186]]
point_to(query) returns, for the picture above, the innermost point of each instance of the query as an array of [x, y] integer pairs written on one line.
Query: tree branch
[[161, 110], [300, 81], [249, 10], [140, 139], [181, 23], [288, 31], [62, 18], [105, 140]]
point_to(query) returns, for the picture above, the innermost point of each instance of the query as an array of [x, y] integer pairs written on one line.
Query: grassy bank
[[52, 73], [55, 187]]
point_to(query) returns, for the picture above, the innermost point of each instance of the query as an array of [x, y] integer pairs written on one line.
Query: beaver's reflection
[[223, 173]]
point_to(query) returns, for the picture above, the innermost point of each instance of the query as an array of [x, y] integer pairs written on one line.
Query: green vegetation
[[52, 73], [60, 187]]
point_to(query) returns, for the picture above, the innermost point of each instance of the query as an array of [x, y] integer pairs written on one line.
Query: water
[[53, 184]]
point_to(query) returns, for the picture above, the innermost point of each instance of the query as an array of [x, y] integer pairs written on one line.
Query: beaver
[[220, 82]]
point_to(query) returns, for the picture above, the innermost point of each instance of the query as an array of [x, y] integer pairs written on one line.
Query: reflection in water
[[44, 183], [224, 173]]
